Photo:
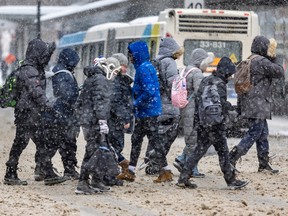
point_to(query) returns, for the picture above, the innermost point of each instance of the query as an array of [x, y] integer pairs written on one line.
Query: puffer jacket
[[65, 87], [193, 81], [32, 100], [93, 103], [167, 73], [146, 92], [257, 103], [121, 100]]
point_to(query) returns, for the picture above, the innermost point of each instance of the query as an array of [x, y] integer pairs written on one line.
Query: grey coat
[[257, 102], [168, 71], [193, 81]]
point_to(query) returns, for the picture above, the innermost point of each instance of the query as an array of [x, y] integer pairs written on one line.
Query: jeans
[[258, 132]]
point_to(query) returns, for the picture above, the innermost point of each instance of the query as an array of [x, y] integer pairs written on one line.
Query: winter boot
[[237, 184], [196, 173], [11, 177], [178, 165], [127, 175], [71, 173], [165, 176], [188, 184], [124, 165], [38, 174], [97, 184], [234, 156], [264, 166], [84, 188], [53, 179]]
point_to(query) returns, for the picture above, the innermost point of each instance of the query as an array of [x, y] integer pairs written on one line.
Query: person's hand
[[104, 129], [126, 126]]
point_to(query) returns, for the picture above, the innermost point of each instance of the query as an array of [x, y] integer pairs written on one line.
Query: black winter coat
[[32, 98], [257, 103], [121, 100], [93, 103]]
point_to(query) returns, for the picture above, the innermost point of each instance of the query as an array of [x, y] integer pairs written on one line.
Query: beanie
[[121, 58]]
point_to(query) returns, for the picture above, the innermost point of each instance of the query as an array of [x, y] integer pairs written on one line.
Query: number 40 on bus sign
[[196, 4]]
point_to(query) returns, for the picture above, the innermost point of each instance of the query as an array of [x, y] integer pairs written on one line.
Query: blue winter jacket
[[146, 91]]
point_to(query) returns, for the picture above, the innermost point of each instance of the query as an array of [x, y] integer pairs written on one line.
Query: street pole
[[38, 19]]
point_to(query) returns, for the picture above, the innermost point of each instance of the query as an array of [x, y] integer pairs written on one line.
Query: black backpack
[[10, 91], [209, 106]]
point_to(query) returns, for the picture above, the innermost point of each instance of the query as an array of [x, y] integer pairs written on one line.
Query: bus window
[[231, 49], [100, 47], [92, 53], [85, 56]]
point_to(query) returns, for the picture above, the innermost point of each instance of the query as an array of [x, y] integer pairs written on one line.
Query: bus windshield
[[231, 49]]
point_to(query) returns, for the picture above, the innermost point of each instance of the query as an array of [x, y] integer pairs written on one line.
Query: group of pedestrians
[[110, 103]]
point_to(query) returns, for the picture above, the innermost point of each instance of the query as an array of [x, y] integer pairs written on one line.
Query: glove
[[104, 129]]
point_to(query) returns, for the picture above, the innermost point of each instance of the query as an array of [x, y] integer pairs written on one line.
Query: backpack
[[9, 92], [49, 85], [242, 78], [209, 106], [179, 92]]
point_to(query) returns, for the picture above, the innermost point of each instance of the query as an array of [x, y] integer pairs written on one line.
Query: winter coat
[[65, 88], [167, 73], [93, 103], [33, 99], [146, 93], [121, 100], [193, 81], [258, 101]]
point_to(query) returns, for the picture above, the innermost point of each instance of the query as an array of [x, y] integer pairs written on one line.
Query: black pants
[[116, 138], [23, 134], [167, 133], [63, 139], [207, 136], [143, 127]]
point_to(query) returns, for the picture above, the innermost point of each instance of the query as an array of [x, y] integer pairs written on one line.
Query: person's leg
[[116, 139], [203, 144], [83, 186], [37, 136], [19, 144], [262, 146], [136, 140], [67, 150], [254, 133], [221, 147]]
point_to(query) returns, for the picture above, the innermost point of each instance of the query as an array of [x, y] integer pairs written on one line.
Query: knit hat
[[123, 60]]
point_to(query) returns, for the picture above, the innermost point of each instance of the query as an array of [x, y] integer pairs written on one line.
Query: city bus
[[223, 32]]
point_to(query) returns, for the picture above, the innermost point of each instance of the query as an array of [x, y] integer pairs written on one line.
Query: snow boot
[[165, 176], [127, 175], [124, 165], [11, 177], [97, 184], [264, 166], [237, 184], [234, 156], [38, 174], [83, 188], [187, 184], [53, 179]]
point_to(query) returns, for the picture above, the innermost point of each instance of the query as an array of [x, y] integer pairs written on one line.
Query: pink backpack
[[179, 91]]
